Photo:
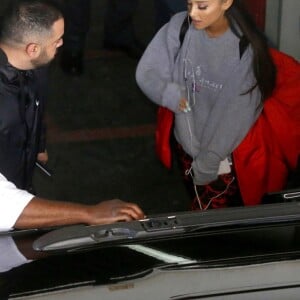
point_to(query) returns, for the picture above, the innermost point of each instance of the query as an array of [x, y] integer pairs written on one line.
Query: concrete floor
[[101, 130]]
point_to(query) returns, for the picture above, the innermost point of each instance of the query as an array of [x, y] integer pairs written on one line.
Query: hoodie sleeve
[[155, 69]]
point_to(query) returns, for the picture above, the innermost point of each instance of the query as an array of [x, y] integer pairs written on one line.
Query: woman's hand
[[184, 105]]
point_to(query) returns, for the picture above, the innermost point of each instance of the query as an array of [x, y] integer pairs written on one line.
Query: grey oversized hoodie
[[211, 75]]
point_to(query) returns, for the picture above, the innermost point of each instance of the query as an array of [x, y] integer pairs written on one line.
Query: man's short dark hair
[[26, 18]]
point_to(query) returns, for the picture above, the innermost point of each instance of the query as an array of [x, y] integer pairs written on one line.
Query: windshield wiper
[[167, 226]]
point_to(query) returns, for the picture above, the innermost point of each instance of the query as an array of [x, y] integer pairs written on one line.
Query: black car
[[232, 253]]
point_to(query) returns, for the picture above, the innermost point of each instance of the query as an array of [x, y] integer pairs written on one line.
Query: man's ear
[[226, 4], [33, 50]]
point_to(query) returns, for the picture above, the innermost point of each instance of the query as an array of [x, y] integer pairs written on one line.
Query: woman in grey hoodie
[[215, 82]]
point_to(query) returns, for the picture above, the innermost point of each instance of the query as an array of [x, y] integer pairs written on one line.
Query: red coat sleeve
[[271, 149]]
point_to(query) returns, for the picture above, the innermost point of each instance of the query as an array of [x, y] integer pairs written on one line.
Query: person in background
[[165, 9], [215, 82], [119, 32], [77, 24]]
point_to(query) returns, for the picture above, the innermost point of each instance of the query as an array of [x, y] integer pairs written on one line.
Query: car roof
[[135, 252]]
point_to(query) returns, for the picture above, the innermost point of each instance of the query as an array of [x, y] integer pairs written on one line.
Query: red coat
[[271, 148]]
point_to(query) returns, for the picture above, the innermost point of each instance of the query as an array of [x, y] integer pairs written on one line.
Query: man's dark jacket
[[21, 126]]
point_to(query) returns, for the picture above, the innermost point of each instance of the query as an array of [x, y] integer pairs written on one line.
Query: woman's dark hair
[[245, 28]]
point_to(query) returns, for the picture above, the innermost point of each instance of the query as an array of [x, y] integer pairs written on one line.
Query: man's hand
[[111, 211], [42, 157], [41, 213]]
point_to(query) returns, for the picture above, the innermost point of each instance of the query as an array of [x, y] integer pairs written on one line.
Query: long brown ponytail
[[263, 66]]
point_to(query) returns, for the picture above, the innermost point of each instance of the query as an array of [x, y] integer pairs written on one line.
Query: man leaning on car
[[31, 33]]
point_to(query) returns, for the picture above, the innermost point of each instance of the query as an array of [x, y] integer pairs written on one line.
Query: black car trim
[[72, 237], [240, 292]]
